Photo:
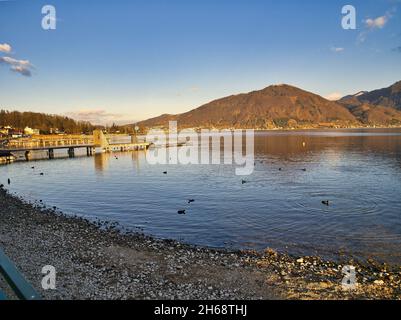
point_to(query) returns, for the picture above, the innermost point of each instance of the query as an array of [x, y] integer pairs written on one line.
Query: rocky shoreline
[[94, 260]]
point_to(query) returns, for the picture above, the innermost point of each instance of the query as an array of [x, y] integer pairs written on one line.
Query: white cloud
[[334, 96], [5, 47], [22, 67], [22, 70], [16, 62], [194, 89], [379, 22], [337, 49], [372, 24], [97, 116], [362, 37]]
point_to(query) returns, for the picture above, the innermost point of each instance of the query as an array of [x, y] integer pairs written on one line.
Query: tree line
[[44, 122]]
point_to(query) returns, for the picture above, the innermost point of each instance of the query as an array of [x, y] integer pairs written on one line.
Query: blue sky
[[130, 60]]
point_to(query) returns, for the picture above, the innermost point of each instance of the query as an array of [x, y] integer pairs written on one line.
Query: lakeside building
[[16, 134], [56, 131], [8, 131], [5, 130], [30, 131]]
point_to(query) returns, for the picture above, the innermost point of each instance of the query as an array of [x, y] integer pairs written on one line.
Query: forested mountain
[[277, 106], [285, 106], [386, 97], [378, 107]]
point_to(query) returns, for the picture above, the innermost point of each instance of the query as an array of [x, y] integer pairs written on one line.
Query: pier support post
[[89, 151], [51, 153], [71, 152], [27, 155]]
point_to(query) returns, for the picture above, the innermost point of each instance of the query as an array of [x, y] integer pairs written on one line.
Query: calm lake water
[[358, 171]]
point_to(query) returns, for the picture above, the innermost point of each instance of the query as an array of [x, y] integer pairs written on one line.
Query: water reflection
[[101, 161]]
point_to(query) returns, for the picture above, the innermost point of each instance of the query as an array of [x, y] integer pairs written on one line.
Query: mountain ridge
[[286, 106], [385, 97]]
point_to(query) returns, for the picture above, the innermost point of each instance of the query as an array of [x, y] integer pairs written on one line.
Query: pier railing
[[107, 143], [18, 285], [49, 141]]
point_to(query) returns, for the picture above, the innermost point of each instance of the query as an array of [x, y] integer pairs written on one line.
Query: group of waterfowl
[[41, 174], [184, 210], [325, 202], [2, 185], [9, 180]]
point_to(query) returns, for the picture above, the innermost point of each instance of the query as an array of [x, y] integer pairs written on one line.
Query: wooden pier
[[99, 142]]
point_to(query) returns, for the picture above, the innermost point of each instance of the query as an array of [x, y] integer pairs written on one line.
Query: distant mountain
[[386, 97], [277, 106], [378, 107], [356, 95], [372, 115]]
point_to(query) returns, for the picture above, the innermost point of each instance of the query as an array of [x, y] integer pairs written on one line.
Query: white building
[[30, 131]]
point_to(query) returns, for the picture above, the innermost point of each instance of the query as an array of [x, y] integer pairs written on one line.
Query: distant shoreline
[[289, 129], [96, 261], [323, 128]]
